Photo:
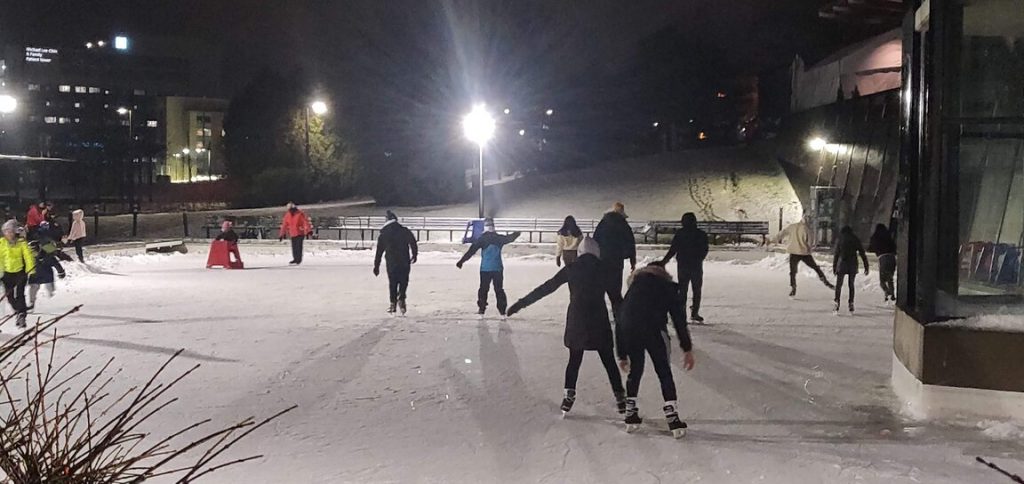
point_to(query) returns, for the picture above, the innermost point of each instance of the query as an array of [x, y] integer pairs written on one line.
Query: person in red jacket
[[34, 218], [295, 225]]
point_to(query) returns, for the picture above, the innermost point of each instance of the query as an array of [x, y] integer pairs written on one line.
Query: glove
[[458, 264], [376, 271]]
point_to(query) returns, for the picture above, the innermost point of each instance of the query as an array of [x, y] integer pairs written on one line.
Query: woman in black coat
[[587, 327], [848, 248]]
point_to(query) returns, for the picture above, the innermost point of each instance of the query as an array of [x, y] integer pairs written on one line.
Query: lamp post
[[125, 111], [319, 108], [478, 127], [187, 153]]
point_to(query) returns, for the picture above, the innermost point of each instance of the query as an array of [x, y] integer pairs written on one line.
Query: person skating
[[492, 270], [47, 262], [798, 238], [617, 242], [643, 328], [18, 262], [397, 245], [848, 247], [295, 225], [587, 327], [569, 238], [690, 248], [883, 246], [76, 235]]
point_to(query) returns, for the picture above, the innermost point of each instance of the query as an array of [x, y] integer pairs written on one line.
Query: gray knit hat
[[10, 226]]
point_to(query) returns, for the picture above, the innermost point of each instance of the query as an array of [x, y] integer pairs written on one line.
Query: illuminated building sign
[[40, 55]]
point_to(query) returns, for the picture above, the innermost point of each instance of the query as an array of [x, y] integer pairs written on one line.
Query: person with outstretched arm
[[587, 327], [690, 248], [798, 238], [643, 331], [844, 263], [618, 243], [397, 245], [492, 270]]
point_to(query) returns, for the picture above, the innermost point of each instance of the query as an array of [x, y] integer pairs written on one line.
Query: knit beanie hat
[[10, 226]]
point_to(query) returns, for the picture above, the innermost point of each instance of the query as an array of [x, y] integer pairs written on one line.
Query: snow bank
[[1001, 430]]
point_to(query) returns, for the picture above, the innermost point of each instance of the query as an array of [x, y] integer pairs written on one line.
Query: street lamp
[[319, 108], [8, 104], [479, 126], [188, 160], [130, 112]]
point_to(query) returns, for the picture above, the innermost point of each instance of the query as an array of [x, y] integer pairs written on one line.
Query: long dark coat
[[587, 326]]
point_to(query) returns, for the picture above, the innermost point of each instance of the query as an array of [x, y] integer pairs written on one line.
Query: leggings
[[839, 286], [572, 369], [659, 352]]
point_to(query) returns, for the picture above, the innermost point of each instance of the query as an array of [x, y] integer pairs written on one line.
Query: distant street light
[[478, 127], [549, 112], [319, 108], [8, 104], [508, 110], [655, 124]]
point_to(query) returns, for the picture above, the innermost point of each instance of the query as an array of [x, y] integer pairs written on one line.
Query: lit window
[[78, 105], [121, 42], [81, 89], [33, 87], [106, 106], [152, 124], [47, 103], [107, 92], [78, 120], [94, 90], [50, 120], [140, 92], [207, 132], [64, 120], [64, 88]]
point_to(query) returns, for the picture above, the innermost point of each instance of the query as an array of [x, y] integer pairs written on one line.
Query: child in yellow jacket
[[18, 263]]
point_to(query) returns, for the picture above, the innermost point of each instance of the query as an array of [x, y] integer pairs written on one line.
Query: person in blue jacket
[[492, 271]]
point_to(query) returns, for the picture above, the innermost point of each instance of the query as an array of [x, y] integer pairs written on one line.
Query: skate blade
[[679, 433], [564, 414], [630, 428]]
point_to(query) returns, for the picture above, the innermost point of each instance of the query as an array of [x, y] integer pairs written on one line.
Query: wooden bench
[[713, 228]]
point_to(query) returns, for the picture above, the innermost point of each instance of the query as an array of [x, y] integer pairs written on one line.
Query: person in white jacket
[[798, 238], [569, 238], [76, 235]]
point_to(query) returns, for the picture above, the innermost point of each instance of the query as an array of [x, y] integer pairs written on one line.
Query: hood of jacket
[[78, 215]]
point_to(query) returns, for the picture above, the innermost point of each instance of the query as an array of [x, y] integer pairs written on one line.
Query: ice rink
[[783, 390]]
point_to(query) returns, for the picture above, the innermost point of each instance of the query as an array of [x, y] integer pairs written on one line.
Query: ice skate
[[620, 402], [676, 426], [402, 308], [632, 419], [792, 292], [851, 308], [391, 309], [835, 309], [568, 400], [22, 317], [696, 318], [480, 313]]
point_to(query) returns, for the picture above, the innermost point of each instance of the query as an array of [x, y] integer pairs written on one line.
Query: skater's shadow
[[143, 348], [498, 400]]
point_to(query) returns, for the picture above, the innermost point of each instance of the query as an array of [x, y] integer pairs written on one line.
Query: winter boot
[[401, 307], [568, 400], [678, 427], [620, 402], [391, 308], [632, 419]]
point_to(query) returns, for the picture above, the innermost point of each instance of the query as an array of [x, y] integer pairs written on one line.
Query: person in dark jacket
[[690, 248], [227, 232], [492, 270], [883, 245], [46, 263], [848, 247], [587, 327], [615, 237], [643, 328], [397, 245]]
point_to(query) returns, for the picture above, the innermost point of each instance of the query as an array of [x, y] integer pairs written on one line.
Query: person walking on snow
[[798, 236], [18, 263], [587, 327], [617, 242], [491, 267], [47, 262], [569, 238], [690, 248], [882, 245], [397, 246], [295, 225], [651, 299], [848, 247], [76, 235]]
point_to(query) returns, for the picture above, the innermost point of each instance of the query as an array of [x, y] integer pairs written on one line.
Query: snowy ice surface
[[783, 391]]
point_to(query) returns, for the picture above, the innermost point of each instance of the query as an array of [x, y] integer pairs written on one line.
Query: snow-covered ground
[[783, 390]]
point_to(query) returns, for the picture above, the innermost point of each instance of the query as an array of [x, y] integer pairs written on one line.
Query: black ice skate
[[697, 318], [792, 292], [401, 307], [620, 402], [391, 308], [835, 308], [632, 419], [568, 401], [851, 308], [21, 320], [676, 426]]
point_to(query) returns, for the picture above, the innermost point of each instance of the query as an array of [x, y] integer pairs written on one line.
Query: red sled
[[220, 256]]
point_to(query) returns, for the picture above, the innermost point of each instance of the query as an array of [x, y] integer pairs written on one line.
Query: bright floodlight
[[522, 132], [478, 125], [816, 144], [508, 110], [122, 111], [319, 108], [186, 151], [88, 45], [655, 124], [101, 43], [8, 104], [549, 112], [121, 42]]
